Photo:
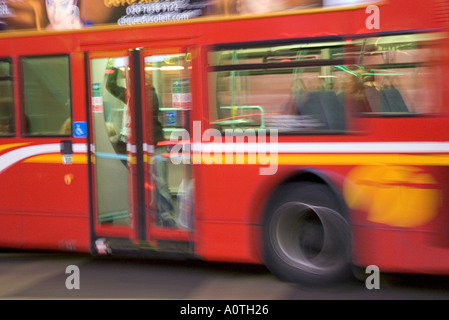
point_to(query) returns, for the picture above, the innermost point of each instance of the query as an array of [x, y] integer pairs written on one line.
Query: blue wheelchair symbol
[[80, 129]]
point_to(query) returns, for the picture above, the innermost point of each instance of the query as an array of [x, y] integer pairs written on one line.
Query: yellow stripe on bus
[[365, 159], [285, 159], [12, 145], [326, 159], [57, 158]]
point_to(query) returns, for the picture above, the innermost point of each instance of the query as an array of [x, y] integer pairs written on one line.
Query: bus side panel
[[223, 229], [57, 232], [11, 234], [230, 225], [401, 226], [57, 213], [227, 242], [388, 230], [52, 209]]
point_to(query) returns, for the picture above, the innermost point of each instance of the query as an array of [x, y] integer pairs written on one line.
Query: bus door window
[[111, 124], [167, 90], [6, 98]]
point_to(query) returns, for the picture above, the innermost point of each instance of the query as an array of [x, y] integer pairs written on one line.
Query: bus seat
[[333, 109], [392, 100], [313, 108], [325, 106], [373, 99]]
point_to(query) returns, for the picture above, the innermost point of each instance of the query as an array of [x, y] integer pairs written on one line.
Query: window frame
[[11, 79], [319, 41], [23, 114], [410, 114], [347, 60]]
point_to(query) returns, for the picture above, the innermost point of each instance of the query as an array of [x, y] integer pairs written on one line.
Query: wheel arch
[[331, 180]]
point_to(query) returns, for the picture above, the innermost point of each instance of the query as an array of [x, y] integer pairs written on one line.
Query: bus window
[[47, 95], [6, 98], [291, 88], [394, 76]]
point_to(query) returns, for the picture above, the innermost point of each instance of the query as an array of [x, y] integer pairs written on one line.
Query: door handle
[[66, 147]]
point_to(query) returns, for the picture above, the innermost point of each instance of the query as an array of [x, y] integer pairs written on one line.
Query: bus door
[[142, 184], [110, 84], [167, 107]]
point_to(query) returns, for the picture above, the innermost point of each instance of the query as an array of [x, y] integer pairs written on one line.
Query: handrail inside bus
[[105, 217], [112, 156], [236, 118]]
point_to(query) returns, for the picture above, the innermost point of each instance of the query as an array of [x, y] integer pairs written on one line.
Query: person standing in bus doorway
[[165, 207], [63, 14]]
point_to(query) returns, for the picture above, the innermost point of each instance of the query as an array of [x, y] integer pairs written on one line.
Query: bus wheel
[[306, 240]]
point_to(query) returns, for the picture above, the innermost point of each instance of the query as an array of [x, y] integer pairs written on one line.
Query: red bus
[[309, 140]]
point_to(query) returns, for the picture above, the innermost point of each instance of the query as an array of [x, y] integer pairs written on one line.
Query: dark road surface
[[25, 275]]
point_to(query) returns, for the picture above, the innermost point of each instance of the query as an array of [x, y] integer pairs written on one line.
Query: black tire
[[306, 238]]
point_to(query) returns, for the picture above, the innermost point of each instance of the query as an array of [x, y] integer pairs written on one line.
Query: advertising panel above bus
[[76, 14]]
